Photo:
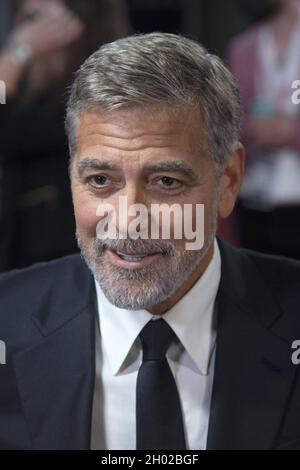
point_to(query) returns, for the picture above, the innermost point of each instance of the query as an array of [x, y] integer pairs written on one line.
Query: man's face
[[151, 156]]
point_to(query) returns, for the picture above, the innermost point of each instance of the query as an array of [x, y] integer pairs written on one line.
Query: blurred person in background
[[265, 60], [47, 43]]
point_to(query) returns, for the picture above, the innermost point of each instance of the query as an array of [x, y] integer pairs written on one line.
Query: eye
[[168, 182], [97, 181]]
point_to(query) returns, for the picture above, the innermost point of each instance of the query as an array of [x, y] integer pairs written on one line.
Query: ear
[[231, 181]]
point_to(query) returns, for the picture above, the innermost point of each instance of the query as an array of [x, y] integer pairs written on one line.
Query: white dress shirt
[[191, 359]]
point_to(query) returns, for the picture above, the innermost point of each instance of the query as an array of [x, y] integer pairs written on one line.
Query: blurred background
[[42, 43]]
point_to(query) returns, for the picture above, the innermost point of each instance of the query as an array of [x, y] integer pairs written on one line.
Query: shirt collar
[[191, 319]]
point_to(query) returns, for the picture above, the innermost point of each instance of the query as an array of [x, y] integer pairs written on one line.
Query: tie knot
[[156, 337]]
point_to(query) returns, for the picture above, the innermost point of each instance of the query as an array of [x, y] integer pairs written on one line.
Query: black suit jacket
[[47, 319]]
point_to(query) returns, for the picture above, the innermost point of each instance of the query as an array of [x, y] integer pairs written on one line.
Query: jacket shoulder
[[280, 276], [283, 272], [41, 288], [261, 282], [37, 277]]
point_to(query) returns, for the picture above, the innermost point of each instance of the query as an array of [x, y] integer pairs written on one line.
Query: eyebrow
[[178, 166], [95, 164]]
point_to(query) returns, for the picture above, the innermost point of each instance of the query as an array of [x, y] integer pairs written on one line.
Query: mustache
[[131, 247]]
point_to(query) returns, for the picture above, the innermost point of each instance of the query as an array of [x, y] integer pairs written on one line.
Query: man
[[155, 346]]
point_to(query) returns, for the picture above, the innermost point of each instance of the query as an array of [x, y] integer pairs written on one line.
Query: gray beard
[[151, 284], [146, 287]]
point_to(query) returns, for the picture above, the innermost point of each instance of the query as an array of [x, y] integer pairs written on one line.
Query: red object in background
[[227, 230]]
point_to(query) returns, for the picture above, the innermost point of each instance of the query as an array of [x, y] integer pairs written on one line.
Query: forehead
[[140, 132]]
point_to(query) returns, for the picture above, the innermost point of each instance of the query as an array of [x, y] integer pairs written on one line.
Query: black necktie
[[159, 424]]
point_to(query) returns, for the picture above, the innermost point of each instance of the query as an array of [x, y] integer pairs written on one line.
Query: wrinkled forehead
[[139, 130]]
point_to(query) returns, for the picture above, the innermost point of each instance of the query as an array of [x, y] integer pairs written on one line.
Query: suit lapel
[[253, 370], [55, 377]]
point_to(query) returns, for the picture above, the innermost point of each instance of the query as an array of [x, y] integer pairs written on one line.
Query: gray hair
[[159, 69]]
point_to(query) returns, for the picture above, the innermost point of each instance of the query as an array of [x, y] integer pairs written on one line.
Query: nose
[[134, 194], [132, 204]]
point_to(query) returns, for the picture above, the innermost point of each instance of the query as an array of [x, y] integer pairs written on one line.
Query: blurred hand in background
[[46, 26]]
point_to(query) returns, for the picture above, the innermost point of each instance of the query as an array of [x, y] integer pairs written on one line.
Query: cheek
[[85, 209], [207, 202], [204, 220], [210, 213]]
